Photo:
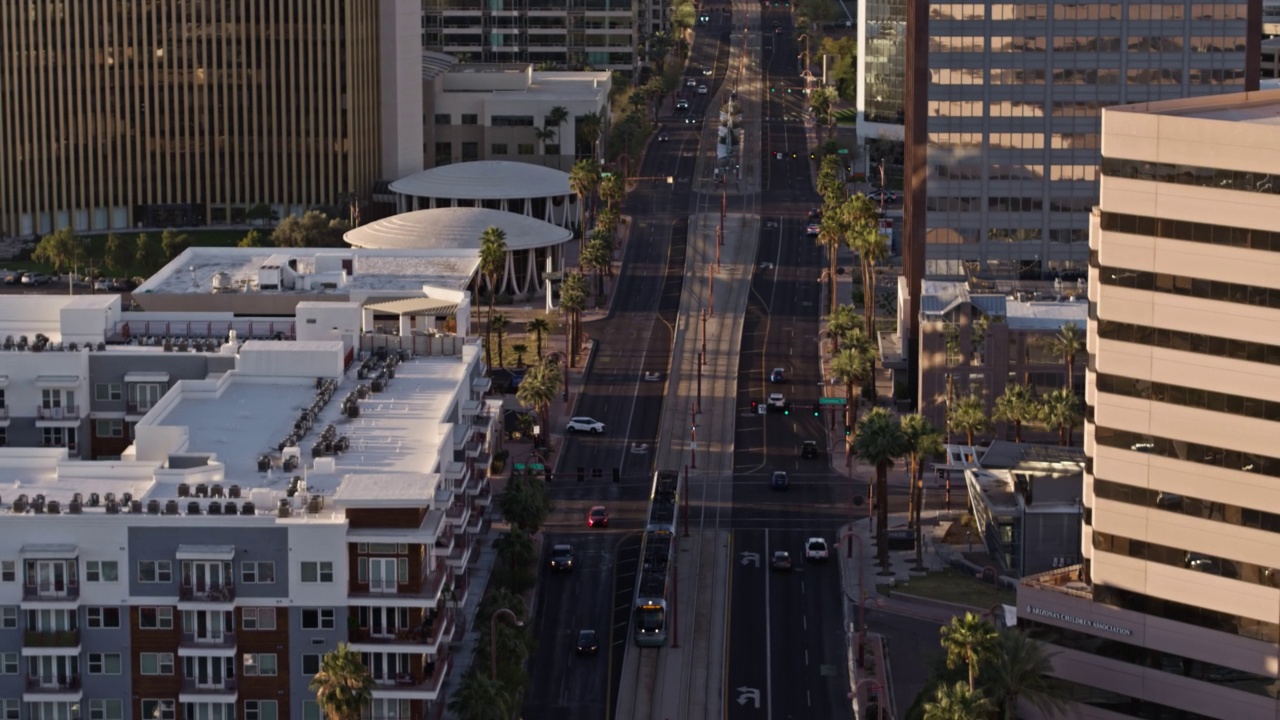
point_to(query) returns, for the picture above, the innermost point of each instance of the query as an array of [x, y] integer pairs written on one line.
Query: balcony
[[444, 543], [208, 687], [460, 553], [475, 483], [428, 636], [1067, 581], [60, 684], [485, 497], [428, 592], [208, 593], [51, 592], [196, 641], [482, 419], [423, 685], [476, 449], [71, 412], [457, 515], [475, 525], [51, 638]]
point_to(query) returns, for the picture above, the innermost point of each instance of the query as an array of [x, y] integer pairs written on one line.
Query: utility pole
[[947, 498], [684, 501], [711, 289], [693, 435]]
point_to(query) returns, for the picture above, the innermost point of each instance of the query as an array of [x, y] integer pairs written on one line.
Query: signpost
[[832, 401]]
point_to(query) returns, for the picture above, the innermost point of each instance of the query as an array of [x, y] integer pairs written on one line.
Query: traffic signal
[[816, 412], [786, 409], [549, 474], [755, 406], [772, 88], [848, 431]]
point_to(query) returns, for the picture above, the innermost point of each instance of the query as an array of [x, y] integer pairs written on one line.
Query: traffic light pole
[[693, 435]]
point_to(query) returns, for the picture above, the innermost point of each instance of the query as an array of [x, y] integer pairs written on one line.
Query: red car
[[598, 516]]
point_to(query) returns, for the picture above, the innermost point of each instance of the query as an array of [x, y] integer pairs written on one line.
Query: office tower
[[1176, 609], [577, 34], [157, 113], [881, 99], [1012, 94]]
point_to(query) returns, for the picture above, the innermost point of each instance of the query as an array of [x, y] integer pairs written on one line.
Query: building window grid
[[1188, 342], [1252, 239]]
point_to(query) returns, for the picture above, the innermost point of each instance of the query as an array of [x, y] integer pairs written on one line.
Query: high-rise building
[[1176, 609], [601, 34], [157, 113], [1011, 95]]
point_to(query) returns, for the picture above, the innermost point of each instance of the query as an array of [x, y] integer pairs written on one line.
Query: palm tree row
[[1002, 667], [881, 440], [1018, 404]]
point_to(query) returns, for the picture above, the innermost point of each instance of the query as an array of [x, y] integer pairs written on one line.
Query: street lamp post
[[693, 435], [862, 596], [493, 637]]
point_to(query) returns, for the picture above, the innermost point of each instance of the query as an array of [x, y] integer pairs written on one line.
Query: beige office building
[[158, 113], [1176, 609]]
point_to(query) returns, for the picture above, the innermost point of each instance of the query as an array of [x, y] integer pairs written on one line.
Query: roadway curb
[[573, 410]]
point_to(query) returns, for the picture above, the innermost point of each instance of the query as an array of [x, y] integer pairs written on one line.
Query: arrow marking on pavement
[[749, 695], [750, 558]]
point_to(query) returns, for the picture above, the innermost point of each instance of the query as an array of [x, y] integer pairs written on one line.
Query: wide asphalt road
[[786, 640]]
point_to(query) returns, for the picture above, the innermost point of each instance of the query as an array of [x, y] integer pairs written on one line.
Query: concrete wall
[[400, 79], [268, 544]]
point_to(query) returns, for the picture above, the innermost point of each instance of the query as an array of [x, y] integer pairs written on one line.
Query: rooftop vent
[[233, 491], [113, 508], [171, 507], [282, 510], [193, 508], [153, 507], [216, 490], [74, 507], [215, 508], [247, 509], [184, 490], [54, 507]]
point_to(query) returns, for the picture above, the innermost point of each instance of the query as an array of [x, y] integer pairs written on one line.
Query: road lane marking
[[768, 640]]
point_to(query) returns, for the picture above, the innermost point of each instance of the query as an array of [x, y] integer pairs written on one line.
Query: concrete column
[[406, 325]]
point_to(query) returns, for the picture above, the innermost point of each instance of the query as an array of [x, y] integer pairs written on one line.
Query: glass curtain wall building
[[1013, 101]]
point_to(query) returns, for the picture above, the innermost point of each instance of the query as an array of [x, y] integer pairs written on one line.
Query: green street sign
[[842, 151], [537, 466], [519, 467], [832, 401], [606, 174]]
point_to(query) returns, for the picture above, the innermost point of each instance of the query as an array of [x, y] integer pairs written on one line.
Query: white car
[[584, 424], [690, 82], [777, 400], [702, 89], [815, 549]]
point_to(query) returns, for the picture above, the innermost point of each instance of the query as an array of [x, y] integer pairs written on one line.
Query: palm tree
[[956, 702], [854, 364], [557, 117], [822, 100], [1021, 668], [539, 327], [597, 257], [840, 323], [584, 179], [493, 261], [544, 136], [540, 386], [524, 503], [516, 547], [923, 442], [1018, 405], [880, 441], [967, 640], [613, 191], [830, 235], [498, 323], [1061, 410], [831, 178], [498, 598], [519, 349], [343, 687], [480, 697], [968, 415], [573, 300], [863, 236], [589, 128], [1067, 344]]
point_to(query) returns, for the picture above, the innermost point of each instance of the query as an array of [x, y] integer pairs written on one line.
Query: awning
[[50, 551], [206, 552], [57, 381], [146, 377], [416, 306]]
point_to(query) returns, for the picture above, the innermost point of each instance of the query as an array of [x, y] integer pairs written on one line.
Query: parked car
[[102, 285], [588, 642], [562, 558], [781, 560], [598, 517], [12, 277], [815, 550], [35, 278], [584, 424], [888, 196]]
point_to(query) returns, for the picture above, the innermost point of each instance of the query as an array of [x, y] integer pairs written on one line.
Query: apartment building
[[1004, 108], [579, 34], [979, 340], [259, 517], [170, 114], [1174, 610]]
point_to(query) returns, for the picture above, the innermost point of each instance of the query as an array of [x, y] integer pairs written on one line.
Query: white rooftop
[[374, 271], [485, 180], [1036, 315], [455, 228], [1260, 107]]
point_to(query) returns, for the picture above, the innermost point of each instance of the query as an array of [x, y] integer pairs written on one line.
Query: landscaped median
[[951, 586]]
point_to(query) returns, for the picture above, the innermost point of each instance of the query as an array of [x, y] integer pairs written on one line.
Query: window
[[107, 391], [9, 616], [310, 710], [159, 709], [443, 118], [143, 395], [444, 153], [262, 618], [511, 121], [9, 664], [257, 571], [259, 710], [470, 151], [321, 571], [105, 709], [524, 149], [101, 571], [8, 570], [317, 619], [108, 428], [9, 709], [499, 149], [103, 617], [104, 663], [470, 119], [155, 663], [155, 618], [261, 664], [310, 664], [155, 571]]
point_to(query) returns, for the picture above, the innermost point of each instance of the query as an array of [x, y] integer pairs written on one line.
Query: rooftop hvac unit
[[153, 507], [135, 506], [171, 507], [233, 491], [216, 490], [247, 509], [229, 508], [202, 490], [37, 505], [282, 510], [184, 490], [74, 507], [20, 505], [113, 508], [314, 504], [77, 498], [193, 508], [126, 497], [54, 507], [215, 508], [93, 500]]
